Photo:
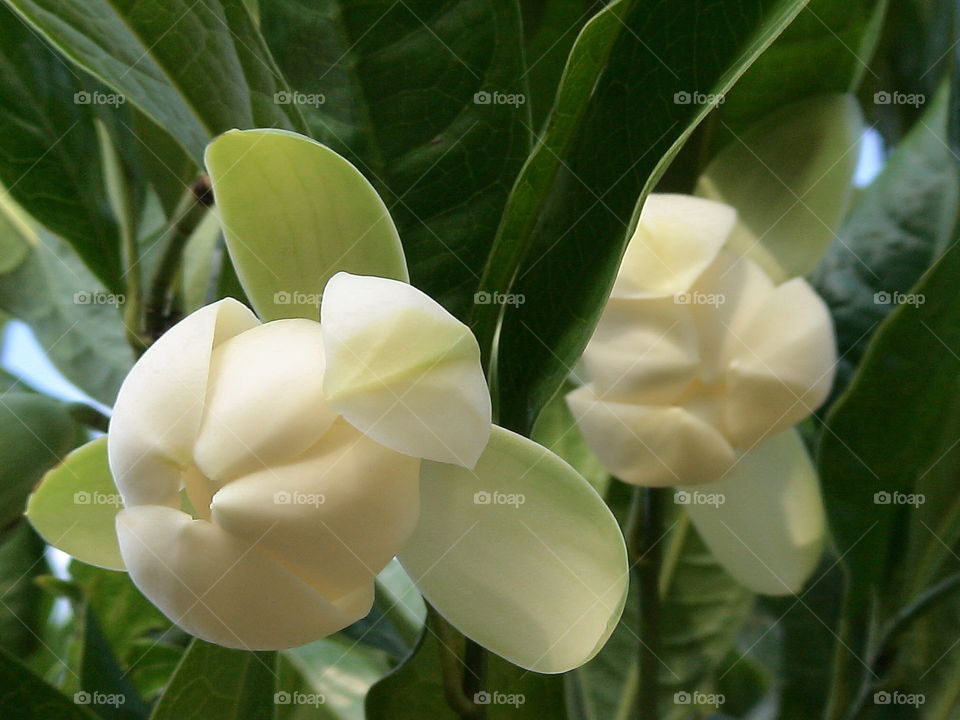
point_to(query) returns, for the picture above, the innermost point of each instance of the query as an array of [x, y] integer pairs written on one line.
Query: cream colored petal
[[404, 370], [157, 414], [726, 298], [520, 554], [677, 237], [643, 350], [768, 530], [222, 589], [784, 366], [265, 400], [648, 444], [335, 516]]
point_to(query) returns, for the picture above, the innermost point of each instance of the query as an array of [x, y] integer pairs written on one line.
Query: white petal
[[265, 399], [404, 370], [158, 410], [783, 367], [677, 237], [521, 555], [335, 516], [222, 589], [643, 350], [768, 532], [651, 445]]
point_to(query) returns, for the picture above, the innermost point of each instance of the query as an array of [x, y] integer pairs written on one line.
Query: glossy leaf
[[215, 683], [294, 214], [573, 207], [139, 49], [49, 155], [398, 88], [75, 506], [35, 433], [790, 204], [519, 554], [22, 611], [899, 224]]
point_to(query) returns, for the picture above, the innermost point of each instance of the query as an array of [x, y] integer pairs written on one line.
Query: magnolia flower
[[697, 370], [268, 472]]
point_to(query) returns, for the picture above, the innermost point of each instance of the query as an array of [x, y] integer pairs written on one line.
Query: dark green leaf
[[21, 613], [195, 68], [24, 696], [392, 87], [49, 155], [570, 213], [102, 676]]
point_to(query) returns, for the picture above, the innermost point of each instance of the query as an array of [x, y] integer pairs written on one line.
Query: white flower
[[698, 366]]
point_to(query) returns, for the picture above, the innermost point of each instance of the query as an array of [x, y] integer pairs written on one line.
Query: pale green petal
[[222, 589], [403, 370], [159, 407], [294, 213], [790, 177], [520, 554], [676, 238], [75, 504], [768, 530]]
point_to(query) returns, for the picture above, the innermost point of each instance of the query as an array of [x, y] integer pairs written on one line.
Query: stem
[[158, 312], [452, 667], [644, 526]]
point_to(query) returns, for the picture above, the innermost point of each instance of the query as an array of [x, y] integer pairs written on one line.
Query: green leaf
[[49, 155], [24, 696], [392, 87], [702, 611], [196, 69], [21, 613], [520, 554], [869, 453], [101, 674], [789, 204], [75, 505], [35, 433], [899, 224], [573, 207], [414, 689], [294, 214], [215, 683], [75, 319], [827, 49]]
